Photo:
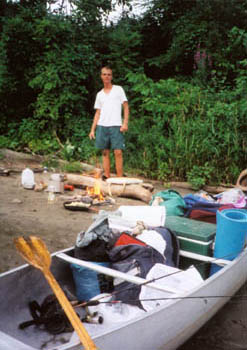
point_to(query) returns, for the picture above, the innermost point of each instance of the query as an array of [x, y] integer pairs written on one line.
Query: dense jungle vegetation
[[182, 64]]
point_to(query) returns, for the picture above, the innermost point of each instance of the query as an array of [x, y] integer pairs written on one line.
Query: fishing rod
[[203, 297], [114, 293]]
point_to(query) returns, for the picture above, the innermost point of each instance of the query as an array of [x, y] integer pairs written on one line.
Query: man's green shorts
[[109, 137]]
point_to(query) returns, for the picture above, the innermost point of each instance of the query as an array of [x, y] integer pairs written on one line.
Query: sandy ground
[[26, 212]]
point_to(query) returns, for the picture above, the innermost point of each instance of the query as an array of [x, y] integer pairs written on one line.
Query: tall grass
[[176, 126]]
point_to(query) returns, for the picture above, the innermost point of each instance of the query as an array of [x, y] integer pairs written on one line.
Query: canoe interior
[[25, 284], [22, 286]]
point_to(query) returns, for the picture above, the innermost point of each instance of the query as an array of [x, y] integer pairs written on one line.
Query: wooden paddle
[[35, 252]]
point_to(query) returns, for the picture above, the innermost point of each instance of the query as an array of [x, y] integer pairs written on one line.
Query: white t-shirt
[[110, 106]]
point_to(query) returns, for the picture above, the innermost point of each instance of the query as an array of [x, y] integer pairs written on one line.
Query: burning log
[[137, 191]]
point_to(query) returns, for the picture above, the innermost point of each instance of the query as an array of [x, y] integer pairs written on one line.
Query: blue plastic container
[[86, 281], [231, 231]]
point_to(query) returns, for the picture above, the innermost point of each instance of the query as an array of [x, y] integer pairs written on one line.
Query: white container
[[56, 183], [27, 179], [151, 216], [56, 177], [51, 195]]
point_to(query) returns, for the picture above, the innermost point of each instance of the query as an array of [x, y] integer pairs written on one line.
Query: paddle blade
[[34, 251], [24, 249], [40, 250]]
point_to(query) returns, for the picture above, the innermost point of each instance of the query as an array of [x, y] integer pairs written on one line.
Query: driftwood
[[217, 189], [15, 162], [242, 181], [209, 189], [137, 191]]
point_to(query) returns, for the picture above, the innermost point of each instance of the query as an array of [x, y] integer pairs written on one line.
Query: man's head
[[106, 75]]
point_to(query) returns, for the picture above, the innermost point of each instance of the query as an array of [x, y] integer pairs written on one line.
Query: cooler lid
[[189, 228]]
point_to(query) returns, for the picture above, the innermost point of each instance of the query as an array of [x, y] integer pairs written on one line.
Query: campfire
[[95, 193], [92, 196], [95, 196]]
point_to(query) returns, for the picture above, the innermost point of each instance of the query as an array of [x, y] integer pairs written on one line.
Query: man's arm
[[124, 127], [95, 122]]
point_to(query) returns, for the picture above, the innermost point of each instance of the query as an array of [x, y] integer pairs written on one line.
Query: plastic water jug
[[27, 179]]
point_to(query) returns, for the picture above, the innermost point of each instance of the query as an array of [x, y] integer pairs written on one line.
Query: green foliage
[[124, 53], [60, 76], [68, 151], [178, 27], [31, 134], [10, 140], [177, 127], [163, 171], [187, 117], [199, 176], [90, 12], [51, 162], [83, 147], [13, 80], [43, 145], [4, 142], [72, 167]]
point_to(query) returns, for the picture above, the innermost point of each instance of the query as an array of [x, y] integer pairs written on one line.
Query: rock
[[16, 201]]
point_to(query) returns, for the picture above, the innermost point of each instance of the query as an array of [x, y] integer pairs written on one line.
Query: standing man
[[108, 120]]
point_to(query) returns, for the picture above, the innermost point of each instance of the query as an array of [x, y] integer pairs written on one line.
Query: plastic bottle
[[27, 179], [51, 195]]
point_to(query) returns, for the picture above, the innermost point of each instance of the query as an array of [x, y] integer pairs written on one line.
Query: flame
[[96, 191]]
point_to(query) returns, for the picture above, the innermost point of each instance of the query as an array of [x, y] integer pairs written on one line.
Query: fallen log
[[136, 191], [209, 189], [216, 189]]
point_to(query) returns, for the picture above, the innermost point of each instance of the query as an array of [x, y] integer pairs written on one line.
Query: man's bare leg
[[106, 162], [119, 162]]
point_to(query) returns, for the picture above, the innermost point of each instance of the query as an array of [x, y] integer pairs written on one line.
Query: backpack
[[137, 260], [173, 202]]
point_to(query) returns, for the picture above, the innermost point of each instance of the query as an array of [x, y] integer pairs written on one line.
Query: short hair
[[106, 67]]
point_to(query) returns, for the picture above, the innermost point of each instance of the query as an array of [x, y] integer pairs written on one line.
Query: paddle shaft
[[34, 250], [117, 274], [208, 259], [71, 314]]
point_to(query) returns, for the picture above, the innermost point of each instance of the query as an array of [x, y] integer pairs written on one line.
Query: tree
[[179, 26]]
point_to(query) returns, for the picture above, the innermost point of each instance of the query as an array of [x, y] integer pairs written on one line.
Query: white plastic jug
[[27, 179]]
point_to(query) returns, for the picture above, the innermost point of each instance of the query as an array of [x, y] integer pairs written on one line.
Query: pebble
[[16, 201]]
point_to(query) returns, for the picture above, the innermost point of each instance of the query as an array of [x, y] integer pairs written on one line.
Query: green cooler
[[194, 236]]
